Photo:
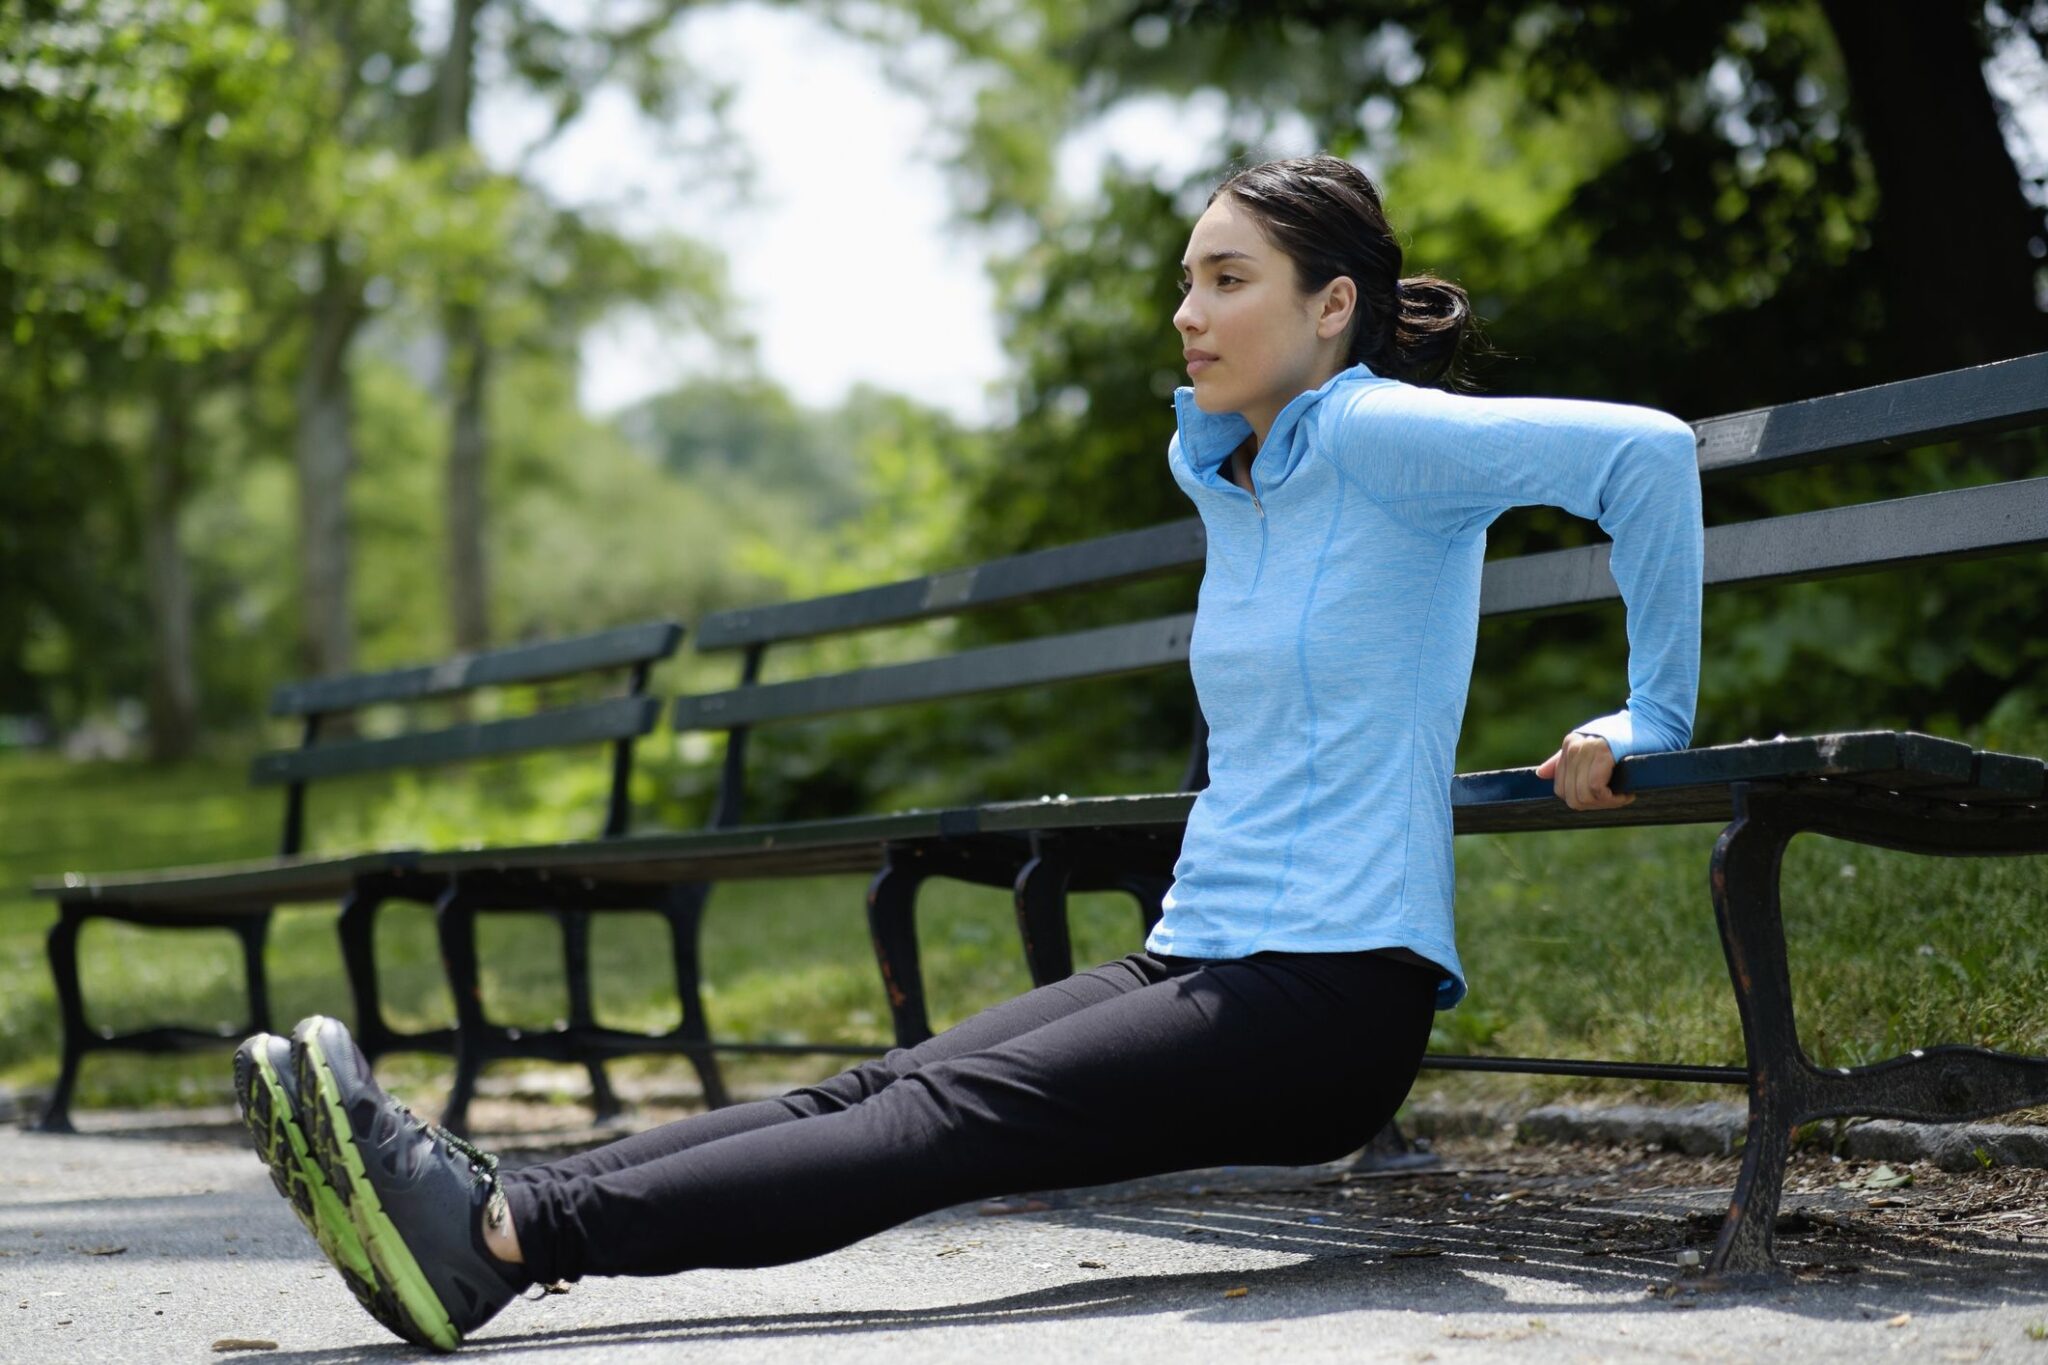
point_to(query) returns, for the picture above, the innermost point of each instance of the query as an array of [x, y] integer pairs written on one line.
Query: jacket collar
[[1207, 438]]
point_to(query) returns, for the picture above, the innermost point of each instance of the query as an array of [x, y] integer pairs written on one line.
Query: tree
[[205, 207], [136, 291], [563, 66]]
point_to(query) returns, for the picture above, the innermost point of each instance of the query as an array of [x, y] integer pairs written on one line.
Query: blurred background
[[345, 334]]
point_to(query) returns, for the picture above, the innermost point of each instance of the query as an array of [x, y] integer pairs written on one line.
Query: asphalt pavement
[[160, 1239]]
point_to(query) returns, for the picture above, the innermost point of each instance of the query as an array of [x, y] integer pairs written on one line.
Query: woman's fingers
[[1585, 768]]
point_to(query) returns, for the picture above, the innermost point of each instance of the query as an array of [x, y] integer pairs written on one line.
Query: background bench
[[240, 898]]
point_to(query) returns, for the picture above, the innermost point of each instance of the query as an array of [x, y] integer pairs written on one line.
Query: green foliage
[[749, 430], [194, 198], [131, 279]]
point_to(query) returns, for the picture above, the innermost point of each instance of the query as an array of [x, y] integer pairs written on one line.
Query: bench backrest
[[1876, 422], [618, 720]]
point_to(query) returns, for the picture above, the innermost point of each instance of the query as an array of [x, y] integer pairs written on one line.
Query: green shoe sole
[[422, 1318], [267, 1112]]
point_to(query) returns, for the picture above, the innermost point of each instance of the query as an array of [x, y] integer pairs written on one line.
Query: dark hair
[[1325, 214]]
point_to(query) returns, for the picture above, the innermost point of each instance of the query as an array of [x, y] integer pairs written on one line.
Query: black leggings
[[1144, 1065]]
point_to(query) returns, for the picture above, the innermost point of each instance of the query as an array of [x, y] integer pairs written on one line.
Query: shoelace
[[482, 1165]]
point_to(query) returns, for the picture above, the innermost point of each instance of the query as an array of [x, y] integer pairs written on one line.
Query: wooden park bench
[[1901, 790], [240, 897]]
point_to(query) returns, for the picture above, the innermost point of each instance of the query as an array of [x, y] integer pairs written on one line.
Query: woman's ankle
[[501, 1239]]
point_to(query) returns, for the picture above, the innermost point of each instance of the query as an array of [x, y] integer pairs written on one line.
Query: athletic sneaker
[[415, 1192], [269, 1096]]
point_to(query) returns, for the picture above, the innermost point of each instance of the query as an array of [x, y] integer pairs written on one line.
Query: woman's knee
[[849, 1087]]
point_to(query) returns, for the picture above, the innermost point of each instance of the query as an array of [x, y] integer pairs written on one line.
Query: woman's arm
[[1450, 464]]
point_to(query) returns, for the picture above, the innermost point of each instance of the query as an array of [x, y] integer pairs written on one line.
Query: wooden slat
[[1125, 557], [2006, 395], [564, 658], [794, 848], [1100, 653], [1687, 786], [593, 722], [2006, 777], [224, 886], [1963, 523], [1994, 779], [1108, 812]]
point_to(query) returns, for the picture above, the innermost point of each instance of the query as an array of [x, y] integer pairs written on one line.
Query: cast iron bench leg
[[254, 933], [1944, 1084], [683, 908], [357, 930], [1040, 894], [892, 925], [80, 1038], [576, 967], [1744, 880], [63, 947], [455, 921], [1149, 892], [1040, 897]]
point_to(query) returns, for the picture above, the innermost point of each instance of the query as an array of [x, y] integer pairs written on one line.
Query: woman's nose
[[1185, 318]]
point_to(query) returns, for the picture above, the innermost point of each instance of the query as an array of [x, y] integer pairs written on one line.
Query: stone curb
[[1718, 1128]]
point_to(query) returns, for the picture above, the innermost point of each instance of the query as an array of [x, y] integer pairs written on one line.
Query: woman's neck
[[1263, 415]]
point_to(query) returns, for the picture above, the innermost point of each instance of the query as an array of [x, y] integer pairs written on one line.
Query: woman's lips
[[1197, 364]]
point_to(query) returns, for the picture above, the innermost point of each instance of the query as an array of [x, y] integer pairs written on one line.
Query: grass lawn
[[1592, 943]]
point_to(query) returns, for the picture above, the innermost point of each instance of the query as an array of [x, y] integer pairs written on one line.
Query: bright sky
[[842, 258]]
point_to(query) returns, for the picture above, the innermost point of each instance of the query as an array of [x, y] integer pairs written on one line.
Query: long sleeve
[[1449, 464]]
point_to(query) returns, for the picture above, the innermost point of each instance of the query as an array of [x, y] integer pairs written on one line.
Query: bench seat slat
[[611, 719], [845, 844], [1683, 787], [223, 886], [550, 659]]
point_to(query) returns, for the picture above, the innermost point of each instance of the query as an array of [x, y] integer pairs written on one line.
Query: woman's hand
[[1579, 772]]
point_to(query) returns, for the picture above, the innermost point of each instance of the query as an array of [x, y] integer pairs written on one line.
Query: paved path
[[152, 1244]]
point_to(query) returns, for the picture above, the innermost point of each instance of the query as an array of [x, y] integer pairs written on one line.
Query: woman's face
[[1252, 340]]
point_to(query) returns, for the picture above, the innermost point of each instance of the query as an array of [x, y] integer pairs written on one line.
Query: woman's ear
[[1340, 301]]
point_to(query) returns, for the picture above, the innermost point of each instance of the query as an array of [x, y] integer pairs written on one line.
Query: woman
[[1280, 1008]]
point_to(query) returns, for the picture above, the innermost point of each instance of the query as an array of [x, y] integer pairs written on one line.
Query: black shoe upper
[[431, 1186]]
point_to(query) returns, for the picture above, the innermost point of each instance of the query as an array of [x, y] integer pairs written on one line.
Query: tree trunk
[[173, 679], [469, 361], [467, 365], [325, 455], [455, 82], [1953, 230]]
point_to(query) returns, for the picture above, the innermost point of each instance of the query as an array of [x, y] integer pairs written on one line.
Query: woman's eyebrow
[[1216, 257]]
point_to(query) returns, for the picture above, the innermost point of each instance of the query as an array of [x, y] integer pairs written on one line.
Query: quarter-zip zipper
[[1251, 479]]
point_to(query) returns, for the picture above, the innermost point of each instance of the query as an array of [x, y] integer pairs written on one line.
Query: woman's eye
[[1227, 279], [1181, 285]]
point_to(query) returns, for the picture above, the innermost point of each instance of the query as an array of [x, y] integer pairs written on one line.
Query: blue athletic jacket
[[1334, 634]]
